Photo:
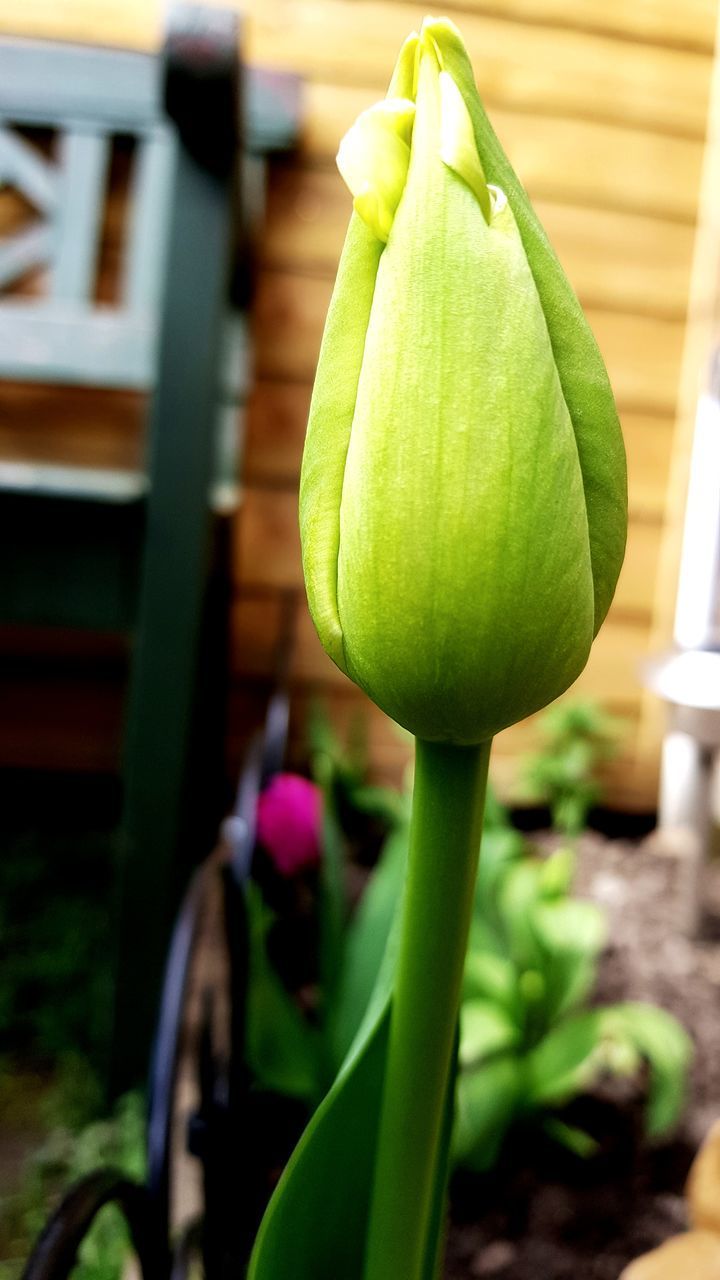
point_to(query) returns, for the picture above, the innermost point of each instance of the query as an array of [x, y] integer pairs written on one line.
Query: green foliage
[[318, 1214], [654, 1037], [528, 1041], [289, 1051], [56, 878], [578, 736], [65, 1156], [528, 1046], [283, 1048], [316, 1221], [54, 957], [341, 770], [365, 944]]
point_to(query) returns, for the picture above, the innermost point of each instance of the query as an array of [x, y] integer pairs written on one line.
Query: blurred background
[[158, 339], [603, 110]]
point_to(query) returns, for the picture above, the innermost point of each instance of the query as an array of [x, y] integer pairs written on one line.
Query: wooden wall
[[601, 106]]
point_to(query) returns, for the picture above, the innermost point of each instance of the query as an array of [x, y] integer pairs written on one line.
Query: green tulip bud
[[463, 496]]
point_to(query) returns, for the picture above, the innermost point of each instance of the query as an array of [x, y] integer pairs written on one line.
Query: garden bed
[[545, 1215]]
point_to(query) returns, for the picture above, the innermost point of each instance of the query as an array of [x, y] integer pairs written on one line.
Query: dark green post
[[162, 800]]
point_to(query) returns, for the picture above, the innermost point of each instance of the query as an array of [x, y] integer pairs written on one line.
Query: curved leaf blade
[[315, 1225], [366, 940], [666, 1047]]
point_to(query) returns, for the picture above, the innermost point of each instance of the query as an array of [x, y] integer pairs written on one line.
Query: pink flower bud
[[289, 823]]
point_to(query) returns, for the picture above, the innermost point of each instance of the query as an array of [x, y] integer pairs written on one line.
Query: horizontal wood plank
[[275, 423], [269, 552], [612, 673], [601, 107], [630, 781], [642, 352], [635, 593], [558, 69], [138, 24], [52, 721], [89, 428], [642, 355], [76, 724], [557, 159], [623, 261], [690, 25], [131, 24], [268, 540], [277, 419], [79, 426], [647, 442]]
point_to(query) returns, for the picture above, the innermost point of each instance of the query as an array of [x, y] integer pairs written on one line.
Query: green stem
[[448, 802]]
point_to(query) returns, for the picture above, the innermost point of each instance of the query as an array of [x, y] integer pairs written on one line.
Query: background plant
[[577, 737], [56, 965], [69, 1152], [530, 1039]]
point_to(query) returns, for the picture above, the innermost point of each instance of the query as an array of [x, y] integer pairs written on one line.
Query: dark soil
[[545, 1215]]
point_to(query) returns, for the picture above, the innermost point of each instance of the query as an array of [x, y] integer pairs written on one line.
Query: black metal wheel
[[55, 1252], [191, 1079], [199, 1162], [187, 1260]]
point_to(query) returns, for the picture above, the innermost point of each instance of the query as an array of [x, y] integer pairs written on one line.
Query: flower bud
[[463, 496], [289, 823]]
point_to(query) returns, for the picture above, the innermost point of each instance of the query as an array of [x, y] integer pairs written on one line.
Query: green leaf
[[571, 935], [496, 816], [365, 943], [503, 849], [568, 1135], [562, 1063], [314, 1227], [485, 1030], [335, 392], [333, 904], [532, 987], [436, 1234], [580, 719], [557, 874], [382, 803], [667, 1049], [518, 896], [571, 926], [486, 1104], [491, 977], [283, 1049]]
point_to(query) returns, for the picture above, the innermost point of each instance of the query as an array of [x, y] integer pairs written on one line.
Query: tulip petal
[[403, 83], [458, 148], [581, 370], [328, 434], [373, 159], [464, 583], [463, 493]]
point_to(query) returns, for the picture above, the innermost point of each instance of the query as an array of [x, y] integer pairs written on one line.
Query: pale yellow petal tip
[[375, 212], [501, 214], [458, 148], [373, 160], [498, 198], [427, 45], [403, 83], [437, 28]]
